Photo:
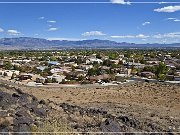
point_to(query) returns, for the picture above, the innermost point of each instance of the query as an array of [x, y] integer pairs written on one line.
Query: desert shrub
[[53, 126]]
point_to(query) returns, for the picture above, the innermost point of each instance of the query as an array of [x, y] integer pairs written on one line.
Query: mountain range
[[29, 43]]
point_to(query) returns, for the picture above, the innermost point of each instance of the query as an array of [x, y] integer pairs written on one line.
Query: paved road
[[10, 83], [64, 85]]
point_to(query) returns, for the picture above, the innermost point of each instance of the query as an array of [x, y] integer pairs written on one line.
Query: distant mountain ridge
[[40, 43]]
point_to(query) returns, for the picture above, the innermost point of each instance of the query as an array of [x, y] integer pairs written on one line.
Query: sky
[[133, 21]]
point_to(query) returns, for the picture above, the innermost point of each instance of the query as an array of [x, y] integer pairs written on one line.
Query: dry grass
[[52, 127]]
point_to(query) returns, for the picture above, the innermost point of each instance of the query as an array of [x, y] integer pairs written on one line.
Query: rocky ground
[[19, 111], [140, 107]]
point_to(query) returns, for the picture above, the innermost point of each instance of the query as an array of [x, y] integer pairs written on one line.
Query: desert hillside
[[139, 107]]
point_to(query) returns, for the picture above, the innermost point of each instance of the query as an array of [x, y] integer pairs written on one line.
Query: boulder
[[112, 126], [15, 95], [23, 120], [22, 113], [24, 128], [40, 112], [6, 121], [42, 102]]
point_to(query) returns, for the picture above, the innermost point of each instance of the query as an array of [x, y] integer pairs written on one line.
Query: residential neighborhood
[[114, 67]]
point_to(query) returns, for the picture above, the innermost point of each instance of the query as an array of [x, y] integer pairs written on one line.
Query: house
[[105, 57], [168, 56], [79, 72], [121, 56], [41, 68], [176, 78], [57, 78], [60, 70], [153, 62], [69, 64], [178, 72], [21, 61], [85, 67], [9, 73], [1, 63], [16, 64], [40, 79], [171, 66], [114, 61], [135, 65], [75, 74], [100, 77], [56, 70], [93, 60], [25, 76], [53, 63], [122, 61], [147, 74], [170, 77], [105, 68], [121, 77], [126, 71]]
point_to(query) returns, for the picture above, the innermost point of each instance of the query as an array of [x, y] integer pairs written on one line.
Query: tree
[[94, 71], [98, 56], [72, 68], [80, 78], [161, 71], [52, 58], [13, 75], [150, 69], [113, 56], [8, 65]]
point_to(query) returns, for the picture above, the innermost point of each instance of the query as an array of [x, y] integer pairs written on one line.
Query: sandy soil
[[157, 102]]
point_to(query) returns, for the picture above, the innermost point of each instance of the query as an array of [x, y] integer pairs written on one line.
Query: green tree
[[94, 71], [13, 75], [8, 65], [161, 71], [72, 68], [52, 58]]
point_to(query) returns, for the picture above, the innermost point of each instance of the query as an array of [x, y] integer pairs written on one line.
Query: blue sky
[[116, 20]]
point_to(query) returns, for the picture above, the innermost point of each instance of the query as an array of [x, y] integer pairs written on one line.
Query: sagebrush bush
[[53, 126]]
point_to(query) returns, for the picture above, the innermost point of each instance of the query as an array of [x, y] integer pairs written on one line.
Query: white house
[[57, 78], [85, 67], [177, 78], [92, 60], [9, 73], [22, 61]]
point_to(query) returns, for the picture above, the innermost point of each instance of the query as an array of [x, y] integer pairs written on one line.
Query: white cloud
[[131, 36], [41, 18], [145, 23], [171, 18], [13, 32], [174, 19], [172, 37], [141, 36], [69, 39], [52, 29], [158, 36], [177, 20], [168, 9], [120, 2], [93, 33], [162, 2], [51, 21], [127, 36], [168, 35], [1, 30]]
